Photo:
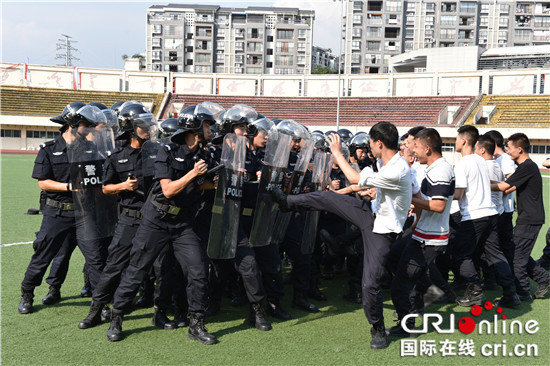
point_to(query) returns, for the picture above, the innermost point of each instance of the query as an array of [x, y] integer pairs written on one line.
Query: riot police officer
[[51, 169], [123, 176], [168, 216]]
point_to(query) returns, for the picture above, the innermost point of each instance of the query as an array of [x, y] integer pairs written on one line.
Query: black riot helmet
[[91, 115], [112, 119], [293, 128], [134, 115], [239, 113], [359, 141], [193, 117], [319, 141], [68, 114], [276, 120], [99, 105], [168, 127], [345, 134], [117, 105], [329, 132]]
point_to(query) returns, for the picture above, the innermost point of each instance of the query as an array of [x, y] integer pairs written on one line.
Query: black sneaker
[[398, 332], [508, 301], [542, 290]]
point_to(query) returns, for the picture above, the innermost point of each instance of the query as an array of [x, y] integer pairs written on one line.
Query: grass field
[[338, 335]]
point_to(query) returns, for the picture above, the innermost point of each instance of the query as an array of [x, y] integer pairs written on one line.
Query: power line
[[67, 46]]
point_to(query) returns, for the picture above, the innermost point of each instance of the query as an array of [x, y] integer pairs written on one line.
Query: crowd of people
[[214, 202]]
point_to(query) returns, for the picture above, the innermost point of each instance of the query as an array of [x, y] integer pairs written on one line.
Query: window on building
[[203, 45], [174, 30], [468, 6], [155, 42], [447, 33], [484, 21], [355, 58], [156, 67], [409, 33], [483, 33], [430, 6], [373, 46], [302, 33], [220, 32], [157, 28], [283, 71], [448, 7], [239, 59], [204, 32], [254, 47], [410, 20], [448, 19], [254, 33], [522, 35], [356, 32], [254, 59], [357, 19], [270, 38], [173, 43], [203, 68], [393, 5], [504, 8], [356, 45], [374, 32], [430, 20], [542, 22], [220, 45], [156, 55], [502, 34], [411, 6], [269, 51], [372, 58], [239, 32], [285, 34], [284, 46], [409, 45], [503, 22], [203, 57], [284, 60], [32, 134], [301, 47], [239, 46], [254, 70], [484, 8], [300, 60]]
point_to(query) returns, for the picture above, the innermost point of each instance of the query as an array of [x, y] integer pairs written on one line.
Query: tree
[[124, 57], [318, 69]]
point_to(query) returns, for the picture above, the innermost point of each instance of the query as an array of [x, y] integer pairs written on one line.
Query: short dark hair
[[387, 133], [404, 137], [486, 142], [430, 137], [497, 137], [470, 133], [413, 131], [520, 140]]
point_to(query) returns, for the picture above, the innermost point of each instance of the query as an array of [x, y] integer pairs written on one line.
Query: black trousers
[[524, 265], [375, 246], [117, 259], [246, 265], [56, 232], [478, 240], [413, 265], [60, 264], [170, 281], [506, 235], [148, 243], [546, 250]]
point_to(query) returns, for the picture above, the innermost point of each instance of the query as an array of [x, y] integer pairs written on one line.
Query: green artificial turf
[[338, 335]]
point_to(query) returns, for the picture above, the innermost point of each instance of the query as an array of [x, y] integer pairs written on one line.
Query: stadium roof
[[517, 51]]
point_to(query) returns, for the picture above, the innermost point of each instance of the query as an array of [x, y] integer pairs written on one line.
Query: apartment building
[[324, 57], [214, 39], [378, 30]]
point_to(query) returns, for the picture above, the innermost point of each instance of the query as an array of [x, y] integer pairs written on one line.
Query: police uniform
[[57, 232], [123, 163]]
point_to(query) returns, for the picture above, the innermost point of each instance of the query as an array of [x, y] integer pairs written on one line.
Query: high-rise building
[[214, 39], [378, 30]]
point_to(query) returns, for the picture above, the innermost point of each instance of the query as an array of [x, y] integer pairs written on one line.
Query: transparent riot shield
[[224, 228], [95, 213], [275, 162], [294, 187], [312, 217]]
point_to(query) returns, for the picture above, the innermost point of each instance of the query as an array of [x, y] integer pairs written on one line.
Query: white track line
[[12, 244]]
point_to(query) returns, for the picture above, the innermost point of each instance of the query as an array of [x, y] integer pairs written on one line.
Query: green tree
[[318, 69]]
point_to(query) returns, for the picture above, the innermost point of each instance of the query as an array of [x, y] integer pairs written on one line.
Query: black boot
[[27, 296], [114, 334], [398, 331], [473, 296], [315, 293], [508, 301], [379, 337], [87, 289], [106, 313], [433, 293], [542, 289], [180, 319], [53, 296], [161, 320], [278, 196], [197, 331], [257, 318], [354, 295], [146, 293], [275, 310], [300, 301], [94, 316]]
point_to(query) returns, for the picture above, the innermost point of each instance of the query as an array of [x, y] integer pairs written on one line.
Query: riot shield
[[224, 228], [274, 166], [95, 213], [319, 169], [294, 187]]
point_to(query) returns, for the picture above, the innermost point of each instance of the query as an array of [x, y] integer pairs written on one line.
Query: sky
[[105, 30]]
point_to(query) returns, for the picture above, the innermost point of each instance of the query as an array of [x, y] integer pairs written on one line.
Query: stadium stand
[[402, 111], [514, 111], [29, 101]]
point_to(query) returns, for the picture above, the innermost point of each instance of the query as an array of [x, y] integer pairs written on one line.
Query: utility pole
[[67, 46]]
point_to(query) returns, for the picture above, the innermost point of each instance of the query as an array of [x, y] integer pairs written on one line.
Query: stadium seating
[[402, 111], [516, 110], [27, 101]]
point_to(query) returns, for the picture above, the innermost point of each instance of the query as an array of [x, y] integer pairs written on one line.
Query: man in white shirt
[[477, 234], [393, 194]]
